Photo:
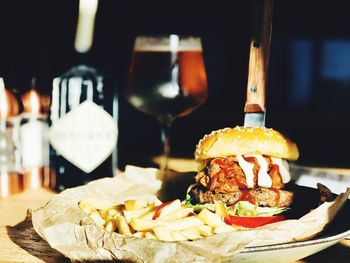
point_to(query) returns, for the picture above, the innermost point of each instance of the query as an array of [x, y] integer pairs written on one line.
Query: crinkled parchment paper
[[69, 230]]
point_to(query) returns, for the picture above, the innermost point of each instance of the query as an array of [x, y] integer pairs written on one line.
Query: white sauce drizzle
[[247, 168], [283, 168], [264, 179]]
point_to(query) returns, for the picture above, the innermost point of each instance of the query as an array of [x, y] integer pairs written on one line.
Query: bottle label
[[85, 136], [34, 145]]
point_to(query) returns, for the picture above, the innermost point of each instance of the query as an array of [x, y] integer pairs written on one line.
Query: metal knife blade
[[254, 119]]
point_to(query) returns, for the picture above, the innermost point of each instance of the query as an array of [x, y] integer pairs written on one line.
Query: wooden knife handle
[[259, 55]]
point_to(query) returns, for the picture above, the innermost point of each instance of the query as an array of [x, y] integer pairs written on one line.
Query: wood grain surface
[[22, 244], [18, 240], [16, 206]]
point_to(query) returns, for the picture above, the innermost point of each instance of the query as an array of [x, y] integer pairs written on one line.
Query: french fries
[[135, 204], [97, 218], [85, 207], [129, 214], [178, 236], [172, 206], [163, 233], [172, 221], [210, 218], [205, 230], [191, 233], [145, 225], [139, 234], [176, 214], [150, 235], [220, 209], [123, 227], [223, 228], [111, 226], [187, 222]]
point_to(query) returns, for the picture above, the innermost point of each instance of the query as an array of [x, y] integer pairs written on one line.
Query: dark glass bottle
[[83, 123]]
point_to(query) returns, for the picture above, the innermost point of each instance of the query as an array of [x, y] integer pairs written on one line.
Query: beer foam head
[[171, 43]]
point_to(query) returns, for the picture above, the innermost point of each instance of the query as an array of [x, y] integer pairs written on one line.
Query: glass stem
[[165, 136]]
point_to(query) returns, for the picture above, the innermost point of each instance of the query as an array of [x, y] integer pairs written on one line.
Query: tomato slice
[[252, 222]]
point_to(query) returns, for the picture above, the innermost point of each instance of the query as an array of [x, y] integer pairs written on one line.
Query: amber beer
[[167, 83]]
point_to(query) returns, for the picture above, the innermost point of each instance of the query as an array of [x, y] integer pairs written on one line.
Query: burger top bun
[[245, 140]]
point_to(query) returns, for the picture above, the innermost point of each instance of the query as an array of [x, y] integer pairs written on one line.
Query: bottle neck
[[85, 31], [84, 58]]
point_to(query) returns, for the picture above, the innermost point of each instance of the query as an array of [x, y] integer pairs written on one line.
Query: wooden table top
[[20, 243]]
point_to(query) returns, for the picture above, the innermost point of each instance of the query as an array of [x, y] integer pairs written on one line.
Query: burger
[[245, 169]]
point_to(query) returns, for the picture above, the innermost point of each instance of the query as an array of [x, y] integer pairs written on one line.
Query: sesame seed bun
[[245, 140]]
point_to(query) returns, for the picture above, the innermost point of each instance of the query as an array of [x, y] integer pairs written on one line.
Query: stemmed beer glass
[[167, 79]]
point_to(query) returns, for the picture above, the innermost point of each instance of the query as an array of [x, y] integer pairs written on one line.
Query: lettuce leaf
[[189, 201], [197, 208], [244, 208]]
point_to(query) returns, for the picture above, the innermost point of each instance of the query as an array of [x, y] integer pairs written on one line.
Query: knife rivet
[[253, 89], [256, 44]]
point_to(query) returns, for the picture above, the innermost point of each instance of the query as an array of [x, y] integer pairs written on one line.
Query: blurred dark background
[[309, 81]]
